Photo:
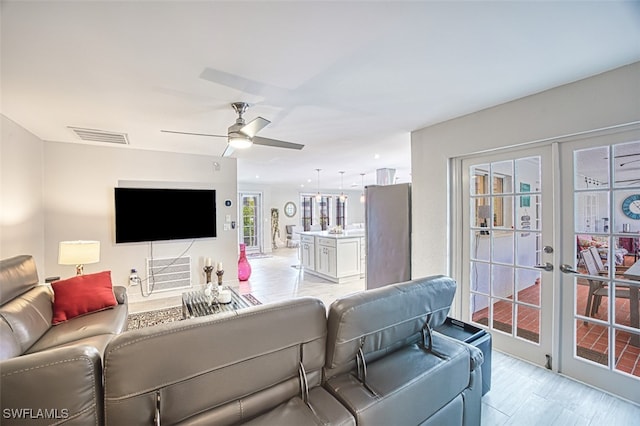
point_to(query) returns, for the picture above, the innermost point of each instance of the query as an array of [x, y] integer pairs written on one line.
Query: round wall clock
[[631, 206], [290, 209]]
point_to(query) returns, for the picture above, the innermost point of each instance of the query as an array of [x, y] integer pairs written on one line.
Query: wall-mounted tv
[[157, 214]]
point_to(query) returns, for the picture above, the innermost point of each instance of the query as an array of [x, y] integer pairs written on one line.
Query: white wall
[[79, 204], [608, 99], [21, 197]]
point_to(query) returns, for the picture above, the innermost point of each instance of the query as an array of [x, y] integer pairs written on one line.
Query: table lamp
[[78, 253]]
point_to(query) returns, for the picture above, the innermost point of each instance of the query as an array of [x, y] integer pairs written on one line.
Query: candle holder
[[207, 271], [219, 273]]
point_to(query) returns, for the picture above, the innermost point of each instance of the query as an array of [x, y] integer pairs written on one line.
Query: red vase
[[244, 268]]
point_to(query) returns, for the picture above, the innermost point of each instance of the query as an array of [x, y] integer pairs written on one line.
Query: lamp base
[[79, 269]]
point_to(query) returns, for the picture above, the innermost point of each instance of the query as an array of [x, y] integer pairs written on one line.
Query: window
[[341, 209]]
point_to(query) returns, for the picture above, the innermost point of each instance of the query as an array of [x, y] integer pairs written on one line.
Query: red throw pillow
[[81, 295]]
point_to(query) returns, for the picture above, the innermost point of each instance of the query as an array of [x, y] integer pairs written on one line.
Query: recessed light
[[376, 156]]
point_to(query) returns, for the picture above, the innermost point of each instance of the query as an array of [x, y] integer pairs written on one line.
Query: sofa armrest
[[61, 385], [121, 294]]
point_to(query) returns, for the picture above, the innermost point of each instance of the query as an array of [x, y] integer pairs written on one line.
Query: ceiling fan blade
[[276, 143], [254, 126], [244, 84], [193, 134], [228, 150]]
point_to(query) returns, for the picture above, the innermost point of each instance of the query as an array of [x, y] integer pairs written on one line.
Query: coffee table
[[197, 304]]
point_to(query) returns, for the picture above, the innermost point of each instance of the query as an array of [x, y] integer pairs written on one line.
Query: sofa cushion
[[323, 409], [387, 318], [18, 275], [81, 295], [108, 322], [29, 315], [9, 346], [410, 384]]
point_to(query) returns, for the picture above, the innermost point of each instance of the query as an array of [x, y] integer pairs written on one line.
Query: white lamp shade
[[78, 252]]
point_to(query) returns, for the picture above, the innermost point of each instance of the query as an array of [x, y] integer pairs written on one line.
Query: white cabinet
[[326, 257], [348, 259], [307, 252], [337, 258]]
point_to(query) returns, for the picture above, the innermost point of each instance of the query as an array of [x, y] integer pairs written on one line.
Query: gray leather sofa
[[44, 367], [376, 361], [262, 366]]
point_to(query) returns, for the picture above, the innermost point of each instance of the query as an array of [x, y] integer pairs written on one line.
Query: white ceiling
[[350, 80]]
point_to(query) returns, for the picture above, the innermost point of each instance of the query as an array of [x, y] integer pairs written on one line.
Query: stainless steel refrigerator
[[388, 234]]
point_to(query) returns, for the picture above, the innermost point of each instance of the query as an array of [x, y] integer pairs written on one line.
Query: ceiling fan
[[242, 135]]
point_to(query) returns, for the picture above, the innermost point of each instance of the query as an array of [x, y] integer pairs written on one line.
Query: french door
[[547, 235], [600, 331], [250, 214], [507, 275]]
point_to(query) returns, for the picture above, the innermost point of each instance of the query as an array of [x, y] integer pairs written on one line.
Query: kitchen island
[[335, 257]]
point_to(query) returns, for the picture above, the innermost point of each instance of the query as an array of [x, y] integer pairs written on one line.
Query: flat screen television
[[157, 214]]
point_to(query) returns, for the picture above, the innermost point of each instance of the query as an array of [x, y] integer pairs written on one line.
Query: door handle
[[567, 269], [547, 267]]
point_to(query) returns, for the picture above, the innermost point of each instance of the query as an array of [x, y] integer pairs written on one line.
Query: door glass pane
[[481, 213], [528, 323], [591, 210], [528, 248], [626, 358], [626, 165], [591, 168], [480, 246], [503, 251], [592, 342], [480, 277], [502, 316], [479, 179], [502, 177], [626, 218], [480, 309]]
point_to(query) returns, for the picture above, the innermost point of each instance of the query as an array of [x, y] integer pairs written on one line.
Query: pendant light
[[362, 195], [318, 195], [342, 196]]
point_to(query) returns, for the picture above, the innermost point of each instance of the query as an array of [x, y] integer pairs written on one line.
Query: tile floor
[[521, 393]]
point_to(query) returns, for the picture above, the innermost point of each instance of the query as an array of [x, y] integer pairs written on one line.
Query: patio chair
[[598, 288]]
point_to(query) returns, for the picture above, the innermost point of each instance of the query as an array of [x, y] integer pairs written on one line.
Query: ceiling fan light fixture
[[239, 141]]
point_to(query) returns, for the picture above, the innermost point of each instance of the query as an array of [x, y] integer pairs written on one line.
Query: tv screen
[[154, 214]]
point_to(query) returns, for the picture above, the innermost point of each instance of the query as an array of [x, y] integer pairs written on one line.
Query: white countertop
[[349, 233]]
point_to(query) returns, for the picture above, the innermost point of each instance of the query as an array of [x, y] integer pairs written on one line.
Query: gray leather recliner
[[50, 374], [387, 365]]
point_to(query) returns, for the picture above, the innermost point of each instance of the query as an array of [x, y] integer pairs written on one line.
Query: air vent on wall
[[93, 135]]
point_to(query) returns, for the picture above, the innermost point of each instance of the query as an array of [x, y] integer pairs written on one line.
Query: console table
[[197, 304]]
